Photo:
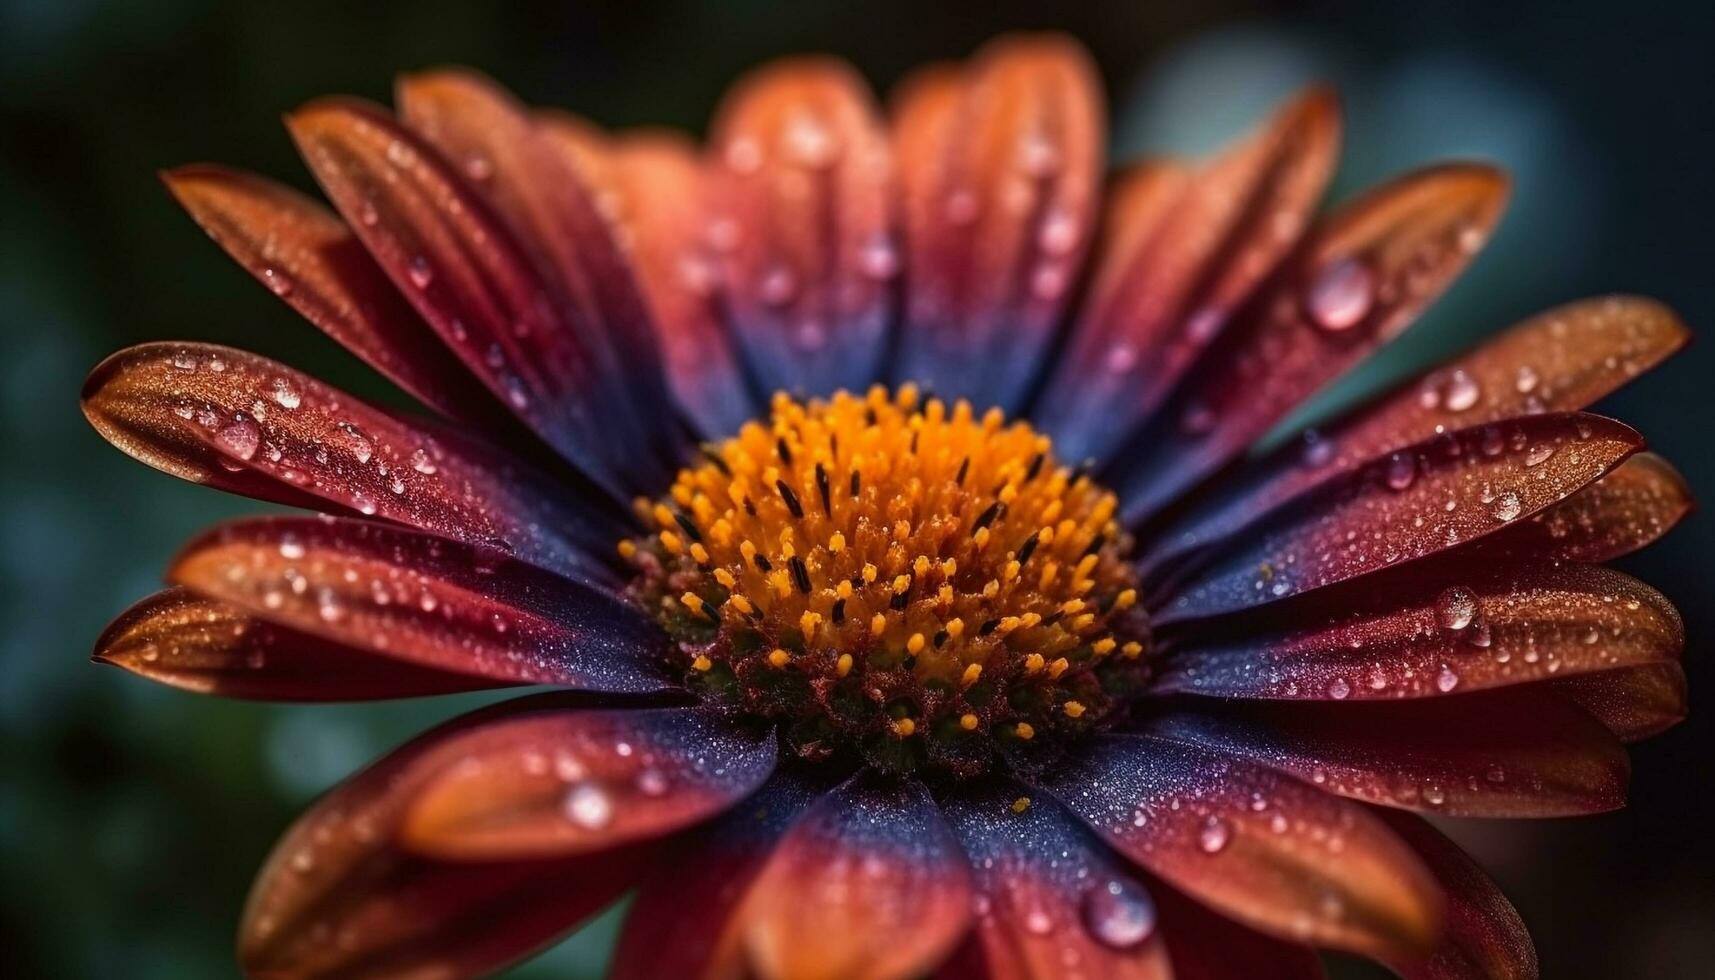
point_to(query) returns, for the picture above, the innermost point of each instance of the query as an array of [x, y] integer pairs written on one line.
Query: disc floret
[[887, 574]]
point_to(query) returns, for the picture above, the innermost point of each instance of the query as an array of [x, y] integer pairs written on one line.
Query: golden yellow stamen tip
[[1034, 662], [968, 722], [1058, 667], [671, 542], [904, 727], [779, 657], [699, 554], [628, 549], [1103, 646], [1021, 804], [972, 672], [837, 542], [702, 663], [843, 666], [878, 624], [1024, 730], [1126, 600], [1073, 709], [915, 644], [1132, 649]]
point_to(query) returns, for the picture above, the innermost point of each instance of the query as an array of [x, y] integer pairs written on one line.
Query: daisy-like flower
[[881, 490]]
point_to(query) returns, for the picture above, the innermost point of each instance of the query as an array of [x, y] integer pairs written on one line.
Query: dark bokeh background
[[131, 817]]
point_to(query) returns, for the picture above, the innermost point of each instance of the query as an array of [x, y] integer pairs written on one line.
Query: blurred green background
[[132, 817]]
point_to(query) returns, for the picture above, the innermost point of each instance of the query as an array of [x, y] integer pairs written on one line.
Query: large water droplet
[[1460, 392], [1401, 470], [1507, 506], [1214, 835], [420, 272], [1456, 607], [1341, 295], [240, 438], [588, 806], [1119, 914], [284, 394]]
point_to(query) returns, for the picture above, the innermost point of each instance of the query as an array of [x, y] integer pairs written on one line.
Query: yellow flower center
[[886, 574]]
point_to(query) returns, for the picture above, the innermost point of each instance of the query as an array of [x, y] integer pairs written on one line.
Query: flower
[[881, 676]]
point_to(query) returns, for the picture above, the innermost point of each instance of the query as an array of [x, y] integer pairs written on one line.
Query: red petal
[[869, 882], [1511, 753], [1356, 282], [1461, 628], [1051, 899], [426, 602], [653, 189], [801, 196], [339, 898], [1637, 502], [546, 200], [211, 647], [1000, 165], [717, 864], [1561, 360], [1207, 946], [1483, 937], [246, 424], [1160, 298], [577, 782], [1252, 843], [1634, 702], [308, 258], [1418, 502], [467, 274]]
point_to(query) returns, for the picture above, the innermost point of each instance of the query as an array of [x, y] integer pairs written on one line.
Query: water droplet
[[421, 462], [1038, 156], [420, 272], [359, 444], [1456, 607], [291, 548], [478, 167], [1460, 391], [1526, 379], [240, 438], [277, 281], [1119, 914], [652, 782], [777, 286], [1539, 454], [1059, 234], [1507, 506], [284, 394], [879, 259], [1338, 689], [1214, 835], [1446, 680], [1341, 295], [1401, 470], [810, 143], [588, 806]]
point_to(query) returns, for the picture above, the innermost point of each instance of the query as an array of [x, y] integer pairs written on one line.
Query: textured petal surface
[[1000, 165], [1417, 502], [426, 602], [1204, 945], [717, 865], [1483, 937], [802, 226], [1458, 629], [309, 258], [1253, 843], [445, 247], [654, 190], [1513, 753], [1558, 361], [546, 201], [339, 898], [1160, 296], [1357, 281], [869, 882], [578, 782], [1052, 901], [211, 647], [1635, 503], [1634, 702], [246, 424]]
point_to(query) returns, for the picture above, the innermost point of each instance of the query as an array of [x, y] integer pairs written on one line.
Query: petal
[[546, 201], [1634, 702], [717, 864], [1160, 298], [310, 259], [1558, 361], [1512, 753], [1356, 282], [1459, 628], [251, 426], [577, 782], [467, 274], [1483, 937], [1000, 166], [1420, 501], [1050, 897], [1205, 946], [869, 882], [211, 647], [1637, 502], [654, 190], [338, 897], [1252, 843], [426, 602], [800, 198]]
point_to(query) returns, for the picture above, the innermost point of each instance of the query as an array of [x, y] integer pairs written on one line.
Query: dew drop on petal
[[588, 806], [1341, 295], [1456, 607], [240, 438], [284, 394], [420, 272], [1507, 506], [1446, 680], [1401, 470], [1461, 392], [1119, 914], [1214, 835]]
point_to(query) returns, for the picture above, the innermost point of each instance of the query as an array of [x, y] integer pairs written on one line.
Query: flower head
[[879, 489]]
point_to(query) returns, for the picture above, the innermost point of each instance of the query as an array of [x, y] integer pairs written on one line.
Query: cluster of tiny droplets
[[889, 575]]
